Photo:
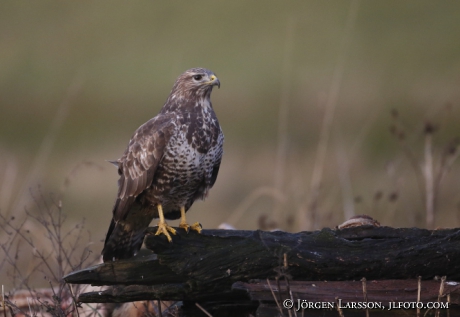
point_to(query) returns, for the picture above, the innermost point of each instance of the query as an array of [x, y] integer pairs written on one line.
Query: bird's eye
[[197, 77]]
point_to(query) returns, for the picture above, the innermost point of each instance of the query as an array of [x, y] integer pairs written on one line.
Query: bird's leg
[[163, 227], [183, 222]]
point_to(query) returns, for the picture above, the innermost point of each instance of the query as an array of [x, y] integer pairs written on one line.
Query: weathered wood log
[[200, 267]]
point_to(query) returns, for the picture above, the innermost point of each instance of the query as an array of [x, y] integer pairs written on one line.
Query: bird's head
[[195, 83]]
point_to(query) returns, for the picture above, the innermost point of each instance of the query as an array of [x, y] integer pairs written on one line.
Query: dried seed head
[[393, 129], [393, 197], [430, 128], [265, 224], [453, 146], [378, 195], [394, 113], [262, 222]]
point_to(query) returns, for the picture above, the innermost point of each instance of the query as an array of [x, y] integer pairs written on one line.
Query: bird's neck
[[177, 103]]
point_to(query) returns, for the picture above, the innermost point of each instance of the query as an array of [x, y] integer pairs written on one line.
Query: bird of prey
[[171, 160]]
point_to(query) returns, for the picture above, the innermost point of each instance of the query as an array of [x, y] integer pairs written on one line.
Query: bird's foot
[[196, 226], [163, 228]]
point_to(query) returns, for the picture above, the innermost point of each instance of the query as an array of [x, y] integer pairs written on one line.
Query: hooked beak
[[214, 81]]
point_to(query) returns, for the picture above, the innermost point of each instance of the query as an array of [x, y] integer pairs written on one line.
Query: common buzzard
[[171, 160]]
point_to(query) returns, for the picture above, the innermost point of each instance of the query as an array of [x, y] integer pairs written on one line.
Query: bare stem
[[429, 180], [419, 290], [331, 105], [281, 153], [364, 281], [49, 139]]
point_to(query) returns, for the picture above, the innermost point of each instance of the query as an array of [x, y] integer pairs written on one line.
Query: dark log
[[200, 267], [353, 253]]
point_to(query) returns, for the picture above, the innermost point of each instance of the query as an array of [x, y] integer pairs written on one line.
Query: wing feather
[[138, 164]]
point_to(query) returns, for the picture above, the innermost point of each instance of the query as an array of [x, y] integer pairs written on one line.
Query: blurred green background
[[78, 77]]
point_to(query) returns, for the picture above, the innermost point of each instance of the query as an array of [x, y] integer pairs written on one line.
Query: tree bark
[[202, 267]]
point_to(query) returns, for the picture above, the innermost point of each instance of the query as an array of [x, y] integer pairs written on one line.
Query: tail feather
[[121, 243], [125, 236]]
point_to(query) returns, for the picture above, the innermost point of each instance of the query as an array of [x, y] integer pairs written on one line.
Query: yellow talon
[[163, 227], [184, 226], [196, 226], [183, 222]]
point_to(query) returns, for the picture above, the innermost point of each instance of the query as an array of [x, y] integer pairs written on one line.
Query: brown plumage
[[171, 160]]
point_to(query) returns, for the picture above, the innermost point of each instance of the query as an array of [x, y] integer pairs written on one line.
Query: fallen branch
[[200, 267]]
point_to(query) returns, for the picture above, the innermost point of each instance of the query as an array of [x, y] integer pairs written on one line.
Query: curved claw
[[183, 222], [196, 226], [184, 226], [163, 228]]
